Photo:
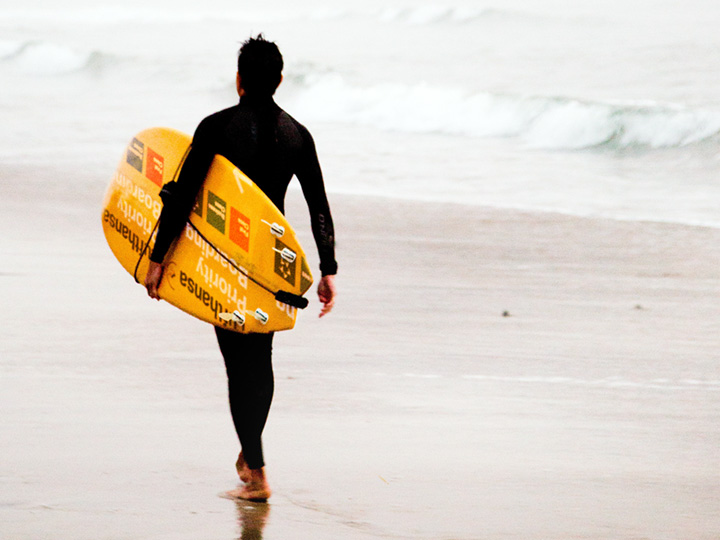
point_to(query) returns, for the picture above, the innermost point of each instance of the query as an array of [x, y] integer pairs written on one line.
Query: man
[[270, 147]]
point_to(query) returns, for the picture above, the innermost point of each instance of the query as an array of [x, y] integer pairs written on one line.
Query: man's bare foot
[[256, 488], [250, 493], [242, 469]]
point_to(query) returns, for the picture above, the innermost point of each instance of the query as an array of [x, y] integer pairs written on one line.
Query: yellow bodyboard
[[234, 255]]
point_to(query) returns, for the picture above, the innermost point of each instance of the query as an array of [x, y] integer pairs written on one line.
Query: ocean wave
[[540, 122], [437, 14], [155, 15], [45, 58], [414, 15], [8, 49], [432, 14], [418, 15]]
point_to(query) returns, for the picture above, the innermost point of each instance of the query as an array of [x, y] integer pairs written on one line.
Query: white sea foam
[[8, 49], [44, 58], [541, 122]]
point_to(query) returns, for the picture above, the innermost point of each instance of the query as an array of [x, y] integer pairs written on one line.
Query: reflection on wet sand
[[252, 518]]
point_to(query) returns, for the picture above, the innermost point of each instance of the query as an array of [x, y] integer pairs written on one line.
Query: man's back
[[264, 142], [269, 146]]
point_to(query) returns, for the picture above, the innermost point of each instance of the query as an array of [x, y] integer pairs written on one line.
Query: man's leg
[[248, 362]]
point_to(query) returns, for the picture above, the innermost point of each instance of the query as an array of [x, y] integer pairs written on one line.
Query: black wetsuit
[[270, 147]]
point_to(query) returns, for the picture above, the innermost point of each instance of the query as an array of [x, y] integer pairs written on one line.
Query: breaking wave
[[540, 122], [44, 58]]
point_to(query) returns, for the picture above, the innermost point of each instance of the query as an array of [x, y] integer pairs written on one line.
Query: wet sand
[[486, 374]]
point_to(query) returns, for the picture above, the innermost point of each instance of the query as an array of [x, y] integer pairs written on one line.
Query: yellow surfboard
[[237, 263]]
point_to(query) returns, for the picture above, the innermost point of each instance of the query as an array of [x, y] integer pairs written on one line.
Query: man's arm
[[311, 181], [177, 207], [310, 177]]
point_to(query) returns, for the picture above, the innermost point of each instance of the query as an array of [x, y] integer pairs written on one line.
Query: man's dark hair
[[260, 66]]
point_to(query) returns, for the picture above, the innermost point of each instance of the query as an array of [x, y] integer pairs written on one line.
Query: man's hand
[[153, 278], [326, 293]]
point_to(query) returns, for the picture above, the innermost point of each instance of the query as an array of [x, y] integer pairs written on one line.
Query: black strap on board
[[285, 297], [144, 250], [291, 299]]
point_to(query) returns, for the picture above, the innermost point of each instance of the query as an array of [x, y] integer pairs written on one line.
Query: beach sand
[[486, 373]]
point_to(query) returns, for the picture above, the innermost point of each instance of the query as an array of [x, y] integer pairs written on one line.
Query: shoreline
[[87, 189], [383, 198]]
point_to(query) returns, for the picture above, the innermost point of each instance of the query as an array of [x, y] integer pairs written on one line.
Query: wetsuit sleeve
[[311, 180], [178, 205]]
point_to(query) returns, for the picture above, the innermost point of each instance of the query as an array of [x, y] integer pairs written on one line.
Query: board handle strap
[[291, 299]]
